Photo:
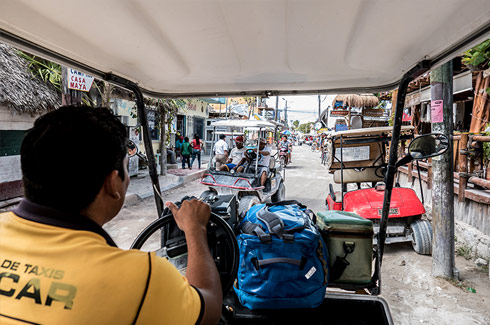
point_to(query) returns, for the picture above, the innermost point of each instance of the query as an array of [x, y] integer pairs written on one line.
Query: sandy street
[[414, 296]]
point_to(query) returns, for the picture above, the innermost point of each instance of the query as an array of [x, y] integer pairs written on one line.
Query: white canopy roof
[[370, 131], [244, 123], [218, 47]]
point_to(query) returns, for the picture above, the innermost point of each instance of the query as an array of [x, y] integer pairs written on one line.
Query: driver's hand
[[193, 215]]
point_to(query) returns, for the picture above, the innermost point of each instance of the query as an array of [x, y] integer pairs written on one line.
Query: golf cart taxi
[[359, 157], [246, 185], [182, 49]]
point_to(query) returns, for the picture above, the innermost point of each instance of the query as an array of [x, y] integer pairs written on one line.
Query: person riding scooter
[[285, 146]]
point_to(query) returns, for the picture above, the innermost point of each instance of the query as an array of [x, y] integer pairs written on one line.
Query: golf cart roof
[[244, 123], [370, 131], [175, 48]]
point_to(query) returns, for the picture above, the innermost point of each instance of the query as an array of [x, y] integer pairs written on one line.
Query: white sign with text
[[79, 81]]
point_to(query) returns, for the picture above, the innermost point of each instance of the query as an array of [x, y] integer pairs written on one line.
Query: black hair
[[196, 137], [186, 139], [222, 136], [68, 154]]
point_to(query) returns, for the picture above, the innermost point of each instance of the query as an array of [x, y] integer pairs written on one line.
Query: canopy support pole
[[140, 104], [413, 73]]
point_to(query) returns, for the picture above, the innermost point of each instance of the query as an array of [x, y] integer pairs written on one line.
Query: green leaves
[[48, 71], [479, 56]]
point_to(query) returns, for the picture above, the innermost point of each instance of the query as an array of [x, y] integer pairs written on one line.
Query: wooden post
[[429, 173], [69, 96], [442, 169], [481, 104], [463, 166]]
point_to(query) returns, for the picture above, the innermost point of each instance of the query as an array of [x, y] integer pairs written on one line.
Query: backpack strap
[[275, 225], [286, 202], [250, 228]]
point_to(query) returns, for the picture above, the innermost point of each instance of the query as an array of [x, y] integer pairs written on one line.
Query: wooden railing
[[468, 168]]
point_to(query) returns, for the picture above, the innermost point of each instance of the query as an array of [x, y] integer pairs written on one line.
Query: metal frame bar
[[413, 73], [146, 136]]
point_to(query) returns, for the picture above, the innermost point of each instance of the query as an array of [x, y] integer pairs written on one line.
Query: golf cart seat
[[357, 176], [242, 181]]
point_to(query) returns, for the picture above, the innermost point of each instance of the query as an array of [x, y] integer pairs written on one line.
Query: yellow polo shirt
[[55, 275]]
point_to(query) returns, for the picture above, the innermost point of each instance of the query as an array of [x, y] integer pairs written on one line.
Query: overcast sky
[[302, 108]]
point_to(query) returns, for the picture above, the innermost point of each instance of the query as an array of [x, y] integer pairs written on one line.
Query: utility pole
[[441, 84], [226, 107], [319, 109], [286, 113], [277, 108]]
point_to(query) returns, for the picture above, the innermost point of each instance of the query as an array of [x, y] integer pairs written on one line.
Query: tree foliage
[[305, 127], [478, 57], [48, 71]]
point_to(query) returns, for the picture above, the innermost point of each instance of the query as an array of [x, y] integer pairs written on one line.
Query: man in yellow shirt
[[57, 264]]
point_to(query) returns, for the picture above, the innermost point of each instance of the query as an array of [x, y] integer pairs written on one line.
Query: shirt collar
[[42, 214]]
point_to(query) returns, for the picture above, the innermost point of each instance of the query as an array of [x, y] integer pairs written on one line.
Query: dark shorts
[[260, 169]]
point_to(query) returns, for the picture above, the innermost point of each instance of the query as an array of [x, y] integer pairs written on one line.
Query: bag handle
[[286, 202], [292, 202], [258, 263], [341, 263]]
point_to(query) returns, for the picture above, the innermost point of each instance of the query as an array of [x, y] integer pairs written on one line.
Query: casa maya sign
[[79, 81]]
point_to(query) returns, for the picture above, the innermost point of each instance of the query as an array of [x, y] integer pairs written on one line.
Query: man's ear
[[111, 185]]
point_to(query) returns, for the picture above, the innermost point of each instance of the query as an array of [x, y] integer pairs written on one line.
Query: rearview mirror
[[428, 145], [132, 148]]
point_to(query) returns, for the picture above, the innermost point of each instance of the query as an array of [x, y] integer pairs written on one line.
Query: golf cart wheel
[[245, 203], [280, 195], [422, 237]]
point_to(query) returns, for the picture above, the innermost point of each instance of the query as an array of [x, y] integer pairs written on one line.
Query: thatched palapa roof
[[19, 90], [354, 100]]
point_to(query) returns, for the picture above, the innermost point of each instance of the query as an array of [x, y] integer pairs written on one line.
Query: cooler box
[[348, 236]]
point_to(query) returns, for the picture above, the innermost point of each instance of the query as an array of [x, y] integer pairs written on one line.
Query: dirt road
[[414, 296]]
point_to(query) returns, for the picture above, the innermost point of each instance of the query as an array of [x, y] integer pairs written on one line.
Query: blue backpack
[[283, 259]]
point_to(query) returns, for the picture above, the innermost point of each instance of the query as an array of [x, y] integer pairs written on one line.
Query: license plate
[[392, 211]]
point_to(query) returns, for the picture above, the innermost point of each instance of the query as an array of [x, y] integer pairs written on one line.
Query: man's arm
[[192, 218]]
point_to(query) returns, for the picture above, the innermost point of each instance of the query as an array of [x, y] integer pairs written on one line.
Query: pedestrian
[[221, 151], [178, 147], [196, 150], [186, 153]]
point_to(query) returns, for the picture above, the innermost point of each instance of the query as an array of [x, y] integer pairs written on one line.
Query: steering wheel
[[252, 155], [221, 240], [380, 171]]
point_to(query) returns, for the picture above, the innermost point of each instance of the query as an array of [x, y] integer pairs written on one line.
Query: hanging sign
[[79, 81], [407, 114], [436, 109]]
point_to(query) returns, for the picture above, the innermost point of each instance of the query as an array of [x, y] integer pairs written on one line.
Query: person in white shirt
[[263, 163], [221, 151], [236, 156]]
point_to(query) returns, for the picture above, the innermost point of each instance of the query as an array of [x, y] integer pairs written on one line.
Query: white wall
[[10, 165], [10, 169], [9, 121]]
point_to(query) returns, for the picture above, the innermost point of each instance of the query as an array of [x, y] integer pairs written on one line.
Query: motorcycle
[[283, 157]]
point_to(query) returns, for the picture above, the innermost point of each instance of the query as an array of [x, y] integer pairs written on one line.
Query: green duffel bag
[[349, 239]]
